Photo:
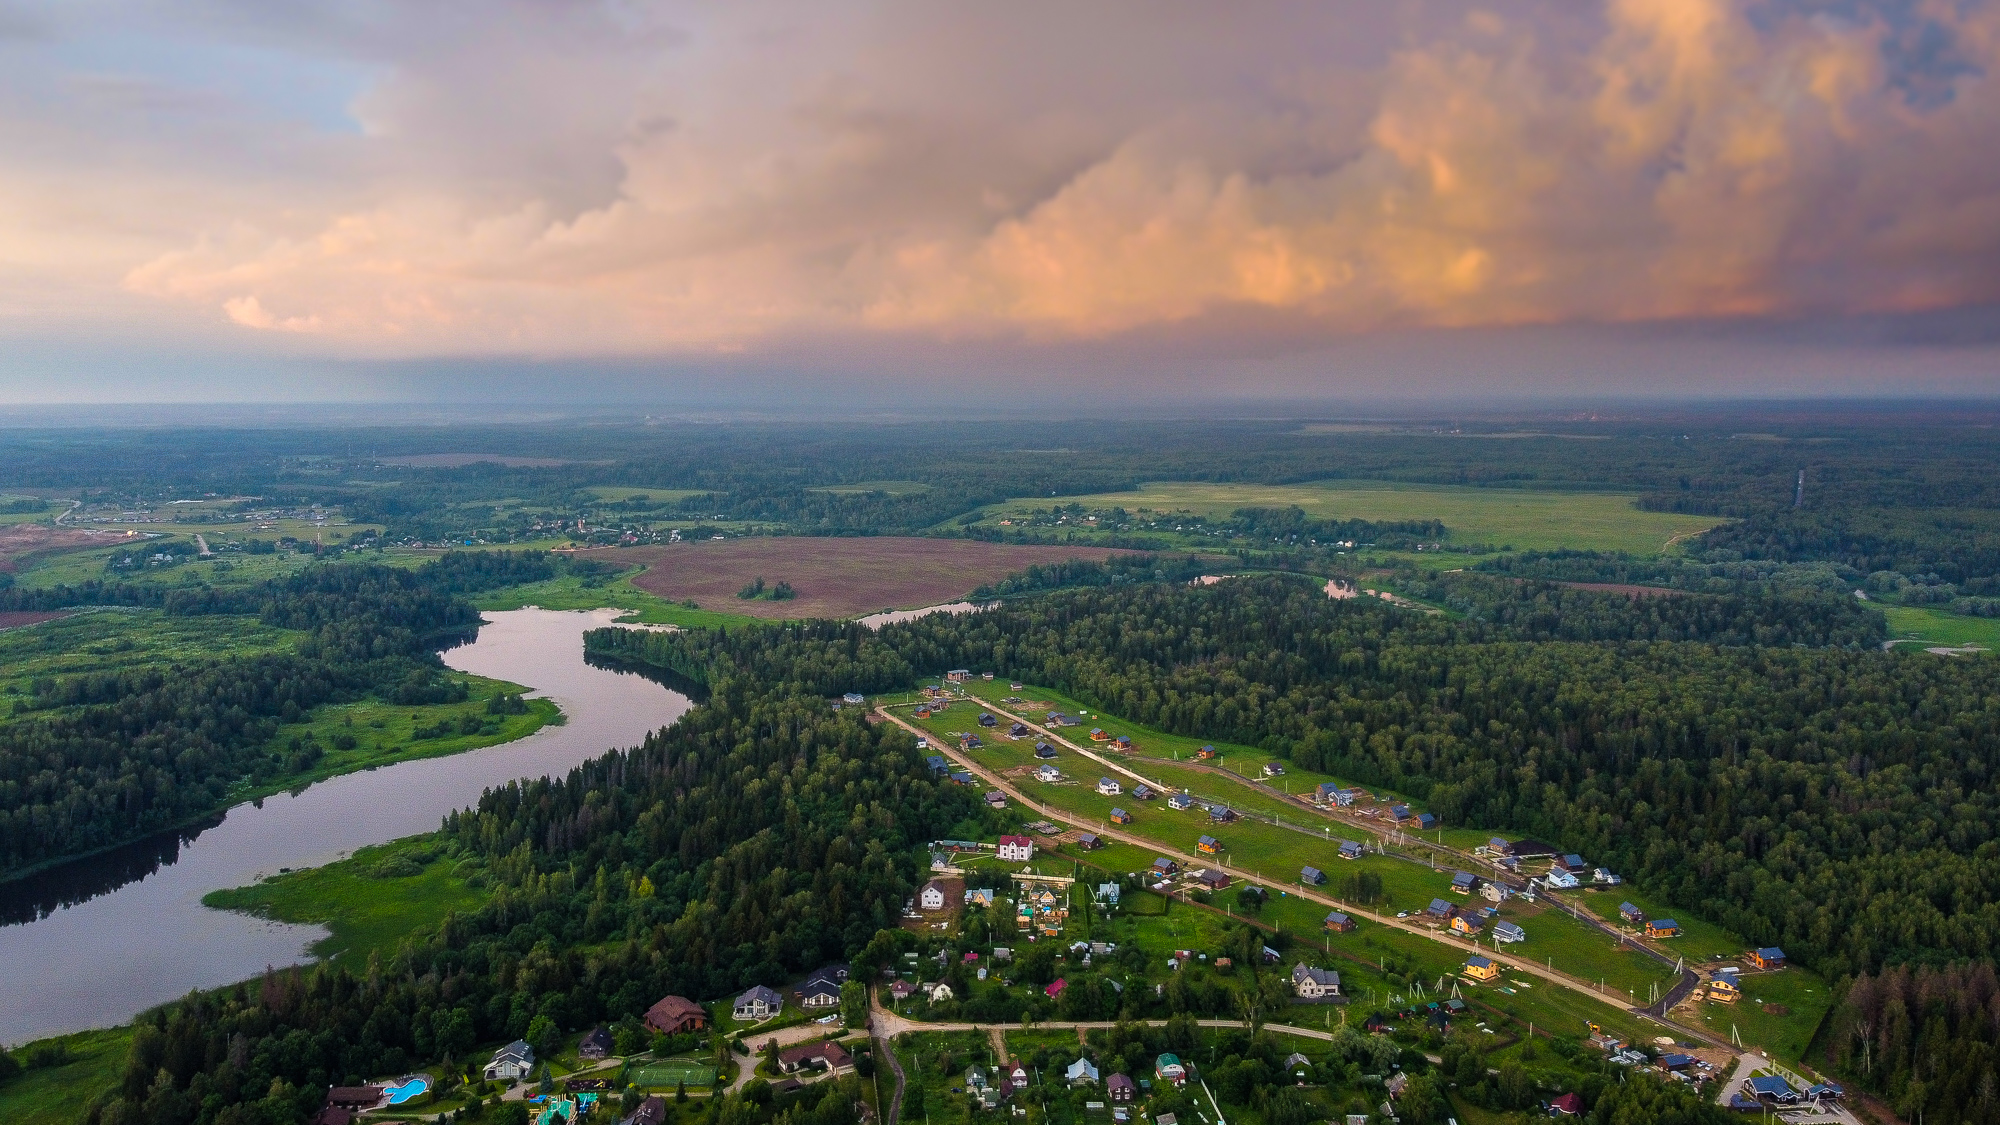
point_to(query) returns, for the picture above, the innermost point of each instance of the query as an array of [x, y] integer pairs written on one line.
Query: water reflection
[[107, 937]]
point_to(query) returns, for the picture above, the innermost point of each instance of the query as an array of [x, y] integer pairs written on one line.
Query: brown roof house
[[353, 1097], [675, 1014], [818, 1056]]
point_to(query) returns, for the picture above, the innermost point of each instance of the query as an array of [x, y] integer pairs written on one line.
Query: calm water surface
[[95, 942]]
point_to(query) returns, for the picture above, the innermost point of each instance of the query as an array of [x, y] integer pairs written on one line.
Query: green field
[[613, 493], [1936, 627], [668, 1073], [366, 908], [572, 592], [61, 1095], [97, 641], [1512, 518]]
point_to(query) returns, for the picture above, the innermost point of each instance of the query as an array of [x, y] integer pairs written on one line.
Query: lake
[[95, 942]]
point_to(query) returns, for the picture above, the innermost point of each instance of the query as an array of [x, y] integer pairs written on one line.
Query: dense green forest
[[761, 835], [93, 760], [1926, 1038], [1835, 801]]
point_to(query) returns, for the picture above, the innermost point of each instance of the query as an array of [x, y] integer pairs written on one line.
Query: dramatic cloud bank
[[624, 178]]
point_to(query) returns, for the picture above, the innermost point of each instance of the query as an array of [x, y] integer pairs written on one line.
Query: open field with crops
[[832, 577]]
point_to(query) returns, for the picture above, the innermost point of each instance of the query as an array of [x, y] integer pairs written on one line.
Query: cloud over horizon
[[629, 179]]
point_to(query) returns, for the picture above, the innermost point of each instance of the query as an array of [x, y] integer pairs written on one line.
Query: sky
[[1175, 202]]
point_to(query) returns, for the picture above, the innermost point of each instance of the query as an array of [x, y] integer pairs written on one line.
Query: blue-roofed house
[[1426, 821], [1350, 850], [1769, 957], [1481, 968], [1180, 801], [1221, 814], [1509, 932], [1439, 908], [1399, 813], [1323, 792], [1339, 923], [1312, 877], [1044, 750], [1207, 845], [1771, 1088], [939, 767], [1629, 913], [1465, 882], [1663, 928]]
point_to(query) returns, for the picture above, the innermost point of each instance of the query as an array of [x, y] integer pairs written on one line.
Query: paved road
[[1527, 968]]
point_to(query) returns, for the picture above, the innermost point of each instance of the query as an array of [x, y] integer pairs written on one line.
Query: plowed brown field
[[833, 577]]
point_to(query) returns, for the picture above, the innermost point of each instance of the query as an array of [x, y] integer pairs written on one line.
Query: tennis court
[[671, 1072]]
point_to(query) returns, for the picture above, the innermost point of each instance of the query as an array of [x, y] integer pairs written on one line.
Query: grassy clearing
[[234, 569], [571, 592], [61, 1095], [615, 493], [1936, 627], [1785, 1034], [1517, 519], [383, 733], [366, 901], [97, 641]]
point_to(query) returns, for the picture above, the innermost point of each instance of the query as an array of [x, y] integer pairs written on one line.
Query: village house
[[1120, 816], [1467, 922], [1481, 968], [1099, 734], [597, 1044], [1426, 821], [1016, 849], [1212, 879], [1559, 879], [995, 799], [1465, 882], [1663, 928], [1221, 814], [1509, 932], [1121, 1087], [1273, 769], [1108, 787], [826, 1055], [1440, 910], [1204, 754], [1164, 866], [1339, 923], [1122, 742], [1106, 893], [1055, 988], [957, 676], [759, 1003], [901, 990], [854, 697], [510, 1063], [1312, 877], [672, 1015], [938, 766], [1168, 1068], [1494, 892], [1044, 750], [1018, 730], [1350, 850], [1630, 914], [1047, 772], [939, 992], [1309, 983], [986, 719], [1089, 842], [1208, 845], [1724, 988], [1143, 792], [934, 896], [1180, 801], [1769, 957], [1082, 1072]]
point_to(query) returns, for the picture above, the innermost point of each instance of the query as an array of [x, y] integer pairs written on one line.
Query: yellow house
[[1481, 968], [1724, 989]]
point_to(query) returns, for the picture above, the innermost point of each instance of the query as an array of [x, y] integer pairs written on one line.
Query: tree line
[[93, 760]]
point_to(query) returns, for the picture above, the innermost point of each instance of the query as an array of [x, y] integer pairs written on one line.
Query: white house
[[1047, 772], [1508, 931], [1082, 1073], [932, 897], [940, 992], [1560, 879], [1108, 787], [759, 1003], [1309, 983], [511, 1062], [1016, 849]]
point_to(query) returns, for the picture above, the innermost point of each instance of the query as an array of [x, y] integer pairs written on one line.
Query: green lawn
[[1500, 517], [1936, 627], [1786, 1035], [367, 909], [61, 1095]]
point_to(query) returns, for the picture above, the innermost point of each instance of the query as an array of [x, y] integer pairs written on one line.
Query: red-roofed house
[[675, 1014], [1056, 987], [1017, 849]]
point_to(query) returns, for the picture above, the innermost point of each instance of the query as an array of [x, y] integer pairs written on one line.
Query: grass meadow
[[1515, 519], [1936, 627]]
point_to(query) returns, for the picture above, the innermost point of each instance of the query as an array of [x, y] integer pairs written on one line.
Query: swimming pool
[[400, 1092]]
